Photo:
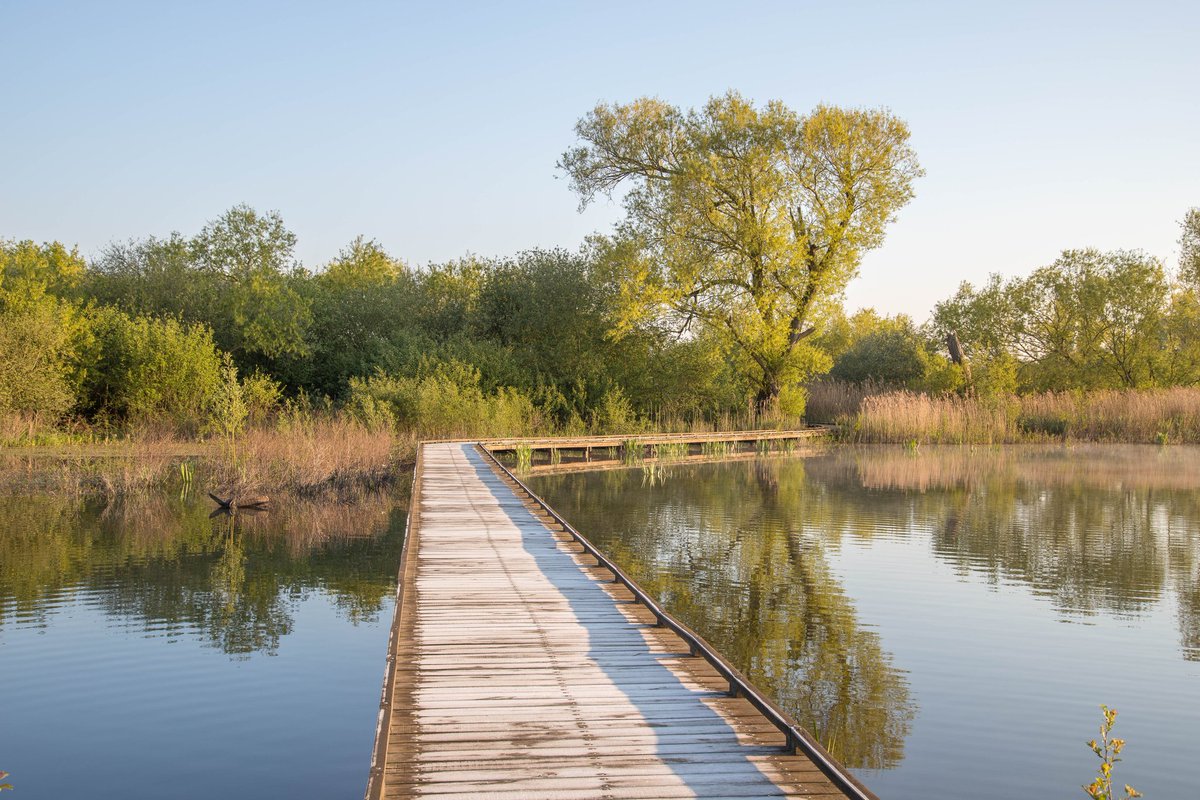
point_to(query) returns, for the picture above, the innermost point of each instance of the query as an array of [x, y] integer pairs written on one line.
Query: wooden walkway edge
[[523, 665]]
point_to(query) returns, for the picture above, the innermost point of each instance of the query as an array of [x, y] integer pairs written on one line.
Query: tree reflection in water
[[739, 551], [732, 552], [170, 567], [1096, 529]]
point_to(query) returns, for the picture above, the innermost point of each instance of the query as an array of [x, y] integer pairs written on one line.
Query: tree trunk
[[959, 357], [766, 400]]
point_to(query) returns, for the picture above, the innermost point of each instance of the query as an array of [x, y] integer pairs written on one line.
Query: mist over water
[[946, 621]]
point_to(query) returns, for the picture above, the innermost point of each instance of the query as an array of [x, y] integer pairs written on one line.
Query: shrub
[[149, 369], [614, 413], [445, 401], [894, 356], [35, 348], [262, 396], [229, 409]]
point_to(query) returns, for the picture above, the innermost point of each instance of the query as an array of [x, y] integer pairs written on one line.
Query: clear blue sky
[[435, 127]]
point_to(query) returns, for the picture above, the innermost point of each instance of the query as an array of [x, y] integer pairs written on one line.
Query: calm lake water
[[947, 622], [148, 651]]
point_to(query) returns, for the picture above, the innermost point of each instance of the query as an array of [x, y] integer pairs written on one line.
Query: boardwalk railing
[[408, 559], [797, 738], [508, 444]]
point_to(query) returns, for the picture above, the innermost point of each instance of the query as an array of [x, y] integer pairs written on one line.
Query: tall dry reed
[[1136, 416], [832, 400], [918, 418], [323, 454]]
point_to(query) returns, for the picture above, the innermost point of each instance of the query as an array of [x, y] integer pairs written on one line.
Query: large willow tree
[[743, 220]]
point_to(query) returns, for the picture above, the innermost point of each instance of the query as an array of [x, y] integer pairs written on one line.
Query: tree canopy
[[1089, 320], [746, 221]]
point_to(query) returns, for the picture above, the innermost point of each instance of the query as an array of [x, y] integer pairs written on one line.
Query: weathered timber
[[587, 443], [235, 502], [523, 664]]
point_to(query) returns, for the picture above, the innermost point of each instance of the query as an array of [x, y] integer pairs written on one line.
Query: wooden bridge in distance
[[585, 443], [524, 664]]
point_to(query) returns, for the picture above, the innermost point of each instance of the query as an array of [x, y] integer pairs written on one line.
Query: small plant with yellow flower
[[1108, 749]]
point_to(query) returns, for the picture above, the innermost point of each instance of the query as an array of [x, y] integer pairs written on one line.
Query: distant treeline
[[209, 332]]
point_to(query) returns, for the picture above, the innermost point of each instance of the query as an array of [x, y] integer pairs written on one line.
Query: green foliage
[[444, 400], [538, 333], [35, 270], [888, 352], [1090, 320], [748, 221], [262, 396], [1108, 750], [363, 305], [793, 399], [154, 277], [42, 333], [1189, 248], [37, 348], [995, 376], [151, 369], [229, 410], [614, 414], [697, 312], [260, 312], [524, 454], [893, 356], [238, 276]]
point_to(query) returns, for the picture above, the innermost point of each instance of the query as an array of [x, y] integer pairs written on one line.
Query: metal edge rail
[[375, 778], [739, 686]]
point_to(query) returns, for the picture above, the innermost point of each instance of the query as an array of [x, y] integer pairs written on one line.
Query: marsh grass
[[524, 455], [831, 401], [323, 456], [715, 449], [633, 451], [671, 451], [1157, 416], [766, 447]]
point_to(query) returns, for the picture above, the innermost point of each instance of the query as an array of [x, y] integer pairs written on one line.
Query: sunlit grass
[[1157, 416]]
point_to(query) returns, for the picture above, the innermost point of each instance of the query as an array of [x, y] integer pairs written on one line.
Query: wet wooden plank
[[519, 670]]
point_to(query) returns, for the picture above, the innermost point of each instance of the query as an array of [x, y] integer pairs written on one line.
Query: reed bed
[[830, 401], [324, 455], [320, 456], [1095, 465], [1160, 416]]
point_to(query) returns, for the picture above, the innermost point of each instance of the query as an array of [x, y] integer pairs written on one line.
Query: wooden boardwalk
[[519, 669], [651, 439]]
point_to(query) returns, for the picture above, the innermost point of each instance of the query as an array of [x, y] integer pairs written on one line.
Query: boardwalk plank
[[522, 671]]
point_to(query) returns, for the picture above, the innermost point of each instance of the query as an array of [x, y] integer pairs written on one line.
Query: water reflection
[[728, 550], [1093, 529], [145, 641], [168, 565], [743, 553]]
